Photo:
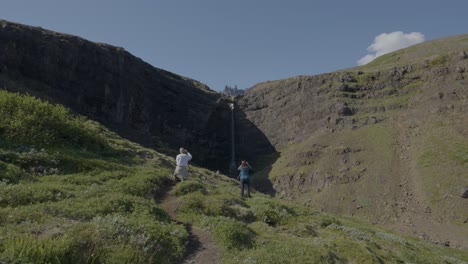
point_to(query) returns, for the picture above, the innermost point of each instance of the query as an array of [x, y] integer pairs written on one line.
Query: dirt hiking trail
[[201, 248]]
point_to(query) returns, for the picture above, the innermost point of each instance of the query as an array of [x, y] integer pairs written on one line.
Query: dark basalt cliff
[[148, 105], [151, 106]]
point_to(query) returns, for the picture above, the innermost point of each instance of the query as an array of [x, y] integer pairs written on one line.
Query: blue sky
[[242, 42]]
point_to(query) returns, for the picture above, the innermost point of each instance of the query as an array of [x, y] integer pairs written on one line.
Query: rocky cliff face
[[149, 105], [385, 142]]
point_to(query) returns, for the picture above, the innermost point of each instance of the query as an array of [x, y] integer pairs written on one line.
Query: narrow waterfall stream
[[232, 167]]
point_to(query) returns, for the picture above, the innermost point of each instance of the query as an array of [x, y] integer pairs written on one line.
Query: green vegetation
[[266, 230], [389, 58], [435, 53], [73, 192], [188, 187], [31, 121], [438, 60], [442, 163]]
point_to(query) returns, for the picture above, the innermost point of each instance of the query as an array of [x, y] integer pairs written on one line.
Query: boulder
[[465, 192], [463, 55]]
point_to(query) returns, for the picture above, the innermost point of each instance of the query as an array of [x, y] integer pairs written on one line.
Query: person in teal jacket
[[244, 176]]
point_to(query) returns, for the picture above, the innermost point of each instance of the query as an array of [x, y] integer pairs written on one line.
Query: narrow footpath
[[201, 247]]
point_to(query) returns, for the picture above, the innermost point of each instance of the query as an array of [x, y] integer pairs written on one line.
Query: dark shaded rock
[[440, 70], [342, 151], [462, 55], [39, 170], [144, 154], [346, 88], [427, 210], [465, 192], [374, 120], [345, 111], [347, 78], [151, 106]]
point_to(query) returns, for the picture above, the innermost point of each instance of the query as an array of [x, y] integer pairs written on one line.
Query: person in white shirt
[[181, 170]]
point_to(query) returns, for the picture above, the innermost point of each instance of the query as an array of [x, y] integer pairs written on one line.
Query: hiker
[[181, 171], [244, 176]]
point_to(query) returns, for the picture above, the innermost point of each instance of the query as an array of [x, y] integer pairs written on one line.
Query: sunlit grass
[[267, 230], [73, 192]]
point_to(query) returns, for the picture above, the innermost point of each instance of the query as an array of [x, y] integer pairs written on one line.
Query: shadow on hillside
[[210, 143], [260, 180], [254, 146]]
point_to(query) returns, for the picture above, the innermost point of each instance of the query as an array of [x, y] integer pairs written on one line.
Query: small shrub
[[30, 120], [208, 206], [87, 208], [154, 242], [193, 205], [326, 221], [22, 214], [304, 231], [438, 60], [121, 205], [10, 173], [17, 195], [141, 183], [159, 214], [214, 206], [231, 201], [187, 187], [350, 231], [391, 237], [234, 234], [272, 213], [31, 249], [269, 216], [244, 214]]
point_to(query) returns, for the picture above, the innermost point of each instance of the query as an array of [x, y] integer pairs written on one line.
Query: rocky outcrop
[[148, 105], [373, 141], [151, 106]]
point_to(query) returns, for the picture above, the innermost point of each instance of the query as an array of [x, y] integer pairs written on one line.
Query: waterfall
[[232, 167]]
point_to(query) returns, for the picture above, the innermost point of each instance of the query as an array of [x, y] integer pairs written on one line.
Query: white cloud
[[388, 42]]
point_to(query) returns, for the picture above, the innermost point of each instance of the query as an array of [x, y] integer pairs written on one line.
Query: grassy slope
[[85, 196], [433, 52], [411, 162], [267, 230], [427, 156], [73, 192], [442, 162]]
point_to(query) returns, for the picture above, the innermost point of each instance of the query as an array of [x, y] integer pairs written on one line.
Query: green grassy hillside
[[267, 230], [399, 172], [434, 53], [71, 191], [386, 142]]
